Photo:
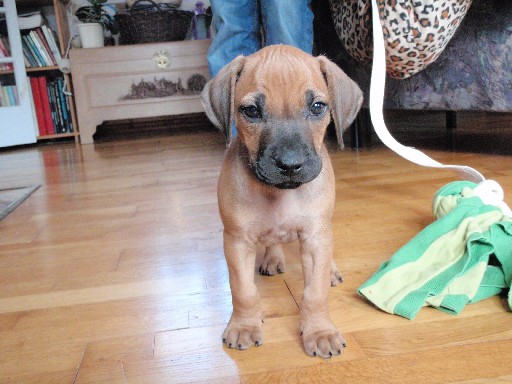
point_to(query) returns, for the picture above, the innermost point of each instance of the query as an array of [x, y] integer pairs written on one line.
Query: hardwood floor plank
[[439, 365]]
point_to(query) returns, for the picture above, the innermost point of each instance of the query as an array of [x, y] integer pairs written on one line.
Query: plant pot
[[91, 35]]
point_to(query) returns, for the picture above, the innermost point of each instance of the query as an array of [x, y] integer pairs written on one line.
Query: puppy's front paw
[[242, 334], [325, 344]]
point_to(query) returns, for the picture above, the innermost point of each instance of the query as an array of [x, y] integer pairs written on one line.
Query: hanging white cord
[[378, 80], [65, 68]]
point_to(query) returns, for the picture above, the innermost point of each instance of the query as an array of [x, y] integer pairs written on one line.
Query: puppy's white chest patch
[[278, 236]]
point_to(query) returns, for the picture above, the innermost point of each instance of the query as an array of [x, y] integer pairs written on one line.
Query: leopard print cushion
[[415, 31]]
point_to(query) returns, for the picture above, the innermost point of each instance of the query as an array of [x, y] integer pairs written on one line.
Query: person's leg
[[237, 31], [288, 22]]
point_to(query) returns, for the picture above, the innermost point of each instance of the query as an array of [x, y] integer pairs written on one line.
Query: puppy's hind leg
[[273, 261]]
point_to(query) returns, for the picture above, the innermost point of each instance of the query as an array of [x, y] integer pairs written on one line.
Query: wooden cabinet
[[18, 121], [137, 81]]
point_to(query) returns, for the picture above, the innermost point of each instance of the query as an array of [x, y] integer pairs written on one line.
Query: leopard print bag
[[415, 31]]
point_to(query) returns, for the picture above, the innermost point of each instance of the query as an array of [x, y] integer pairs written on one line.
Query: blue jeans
[[237, 24]]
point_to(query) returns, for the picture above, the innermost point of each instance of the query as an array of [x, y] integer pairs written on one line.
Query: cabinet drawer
[[139, 73], [135, 81], [144, 87]]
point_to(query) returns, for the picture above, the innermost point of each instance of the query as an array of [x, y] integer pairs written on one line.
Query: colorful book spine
[[5, 52], [52, 42], [39, 49], [68, 111], [45, 100], [9, 96], [5, 97], [59, 84], [29, 57], [58, 108], [38, 105], [53, 107], [33, 107], [33, 51]]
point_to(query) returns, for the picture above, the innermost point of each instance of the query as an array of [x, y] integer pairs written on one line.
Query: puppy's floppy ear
[[346, 97], [218, 96]]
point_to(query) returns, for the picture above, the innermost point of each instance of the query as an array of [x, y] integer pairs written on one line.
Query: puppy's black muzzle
[[287, 162]]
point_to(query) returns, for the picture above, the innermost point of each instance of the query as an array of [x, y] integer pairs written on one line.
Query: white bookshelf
[[17, 124]]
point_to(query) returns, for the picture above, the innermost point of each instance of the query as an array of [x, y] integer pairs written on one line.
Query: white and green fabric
[[463, 257]]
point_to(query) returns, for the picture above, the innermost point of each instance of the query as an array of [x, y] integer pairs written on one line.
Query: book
[[33, 51], [53, 107], [59, 84], [27, 55], [68, 110], [38, 106], [47, 112], [45, 59], [30, 20], [5, 52], [66, 116], [52, 42], [66, 106], [11, 95], [32, 107], [42, 44], [15, 95], [5, 97]]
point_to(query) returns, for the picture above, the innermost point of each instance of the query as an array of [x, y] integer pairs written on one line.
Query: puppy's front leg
[[319, 335], [244, 327]]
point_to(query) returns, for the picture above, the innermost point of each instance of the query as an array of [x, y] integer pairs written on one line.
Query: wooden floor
[[113, 272]]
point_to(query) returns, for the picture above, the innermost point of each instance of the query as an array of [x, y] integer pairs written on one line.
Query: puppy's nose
[[290, 162]]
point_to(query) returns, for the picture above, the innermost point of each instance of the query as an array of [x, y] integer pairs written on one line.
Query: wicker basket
[[153, 23]]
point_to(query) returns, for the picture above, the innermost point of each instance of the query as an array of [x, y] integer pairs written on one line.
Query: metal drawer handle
[[162, 59]]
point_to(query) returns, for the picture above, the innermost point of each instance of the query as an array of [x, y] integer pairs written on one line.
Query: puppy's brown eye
[[317, 108], [251, 112]]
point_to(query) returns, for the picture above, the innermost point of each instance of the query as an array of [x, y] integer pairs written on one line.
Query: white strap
[[378, 80]]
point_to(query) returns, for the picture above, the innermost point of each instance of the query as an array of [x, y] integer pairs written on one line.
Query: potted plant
[[94, 19]]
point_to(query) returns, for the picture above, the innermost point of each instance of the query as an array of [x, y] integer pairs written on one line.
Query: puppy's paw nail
[[257, 343], [239, 346], [330, 354], [314, 353], [224, 340], [339, 351], [230, 345], [344, 345]]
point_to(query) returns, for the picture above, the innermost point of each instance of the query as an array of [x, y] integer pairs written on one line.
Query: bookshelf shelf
[[41, 69], [31, 70], [56, 136]]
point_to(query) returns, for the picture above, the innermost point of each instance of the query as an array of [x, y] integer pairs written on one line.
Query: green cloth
[[463, 257]]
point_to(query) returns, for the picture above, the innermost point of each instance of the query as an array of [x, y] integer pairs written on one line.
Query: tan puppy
[[277, 182]]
